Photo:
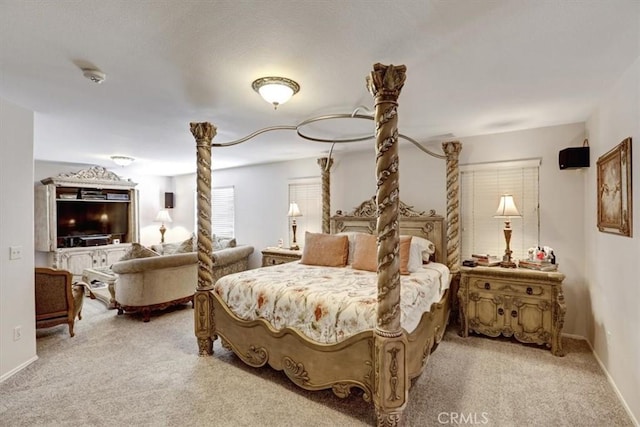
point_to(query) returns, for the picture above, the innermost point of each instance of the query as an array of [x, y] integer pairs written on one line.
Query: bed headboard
[[364, 219]]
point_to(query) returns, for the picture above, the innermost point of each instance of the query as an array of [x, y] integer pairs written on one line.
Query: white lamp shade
[[507, 207], [163, 216], [294, 210], [275, 93], [275, 90]]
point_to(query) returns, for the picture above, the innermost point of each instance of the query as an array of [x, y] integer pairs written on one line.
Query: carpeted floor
[[119, 371]]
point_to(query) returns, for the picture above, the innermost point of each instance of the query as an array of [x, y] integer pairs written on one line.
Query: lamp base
[[508, 264]]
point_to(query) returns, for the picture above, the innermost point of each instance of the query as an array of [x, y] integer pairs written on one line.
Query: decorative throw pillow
[[138, 251], [325, 249], [351, 235], [365, 253], [405, 252], [176, 248], [218, 242]]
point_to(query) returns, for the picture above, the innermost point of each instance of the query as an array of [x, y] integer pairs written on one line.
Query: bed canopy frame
[[391, 379]]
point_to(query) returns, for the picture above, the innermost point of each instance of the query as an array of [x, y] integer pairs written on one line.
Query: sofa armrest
[[228, 256], [154, 263]]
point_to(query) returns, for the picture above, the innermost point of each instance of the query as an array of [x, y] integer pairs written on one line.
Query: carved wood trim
[[94, 176]]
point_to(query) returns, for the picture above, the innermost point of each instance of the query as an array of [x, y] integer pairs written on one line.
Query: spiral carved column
[[391, 378], [325, 164], [452, 151], [203, 305]]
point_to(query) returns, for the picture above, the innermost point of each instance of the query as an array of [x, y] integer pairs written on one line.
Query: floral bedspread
[[326, 304]]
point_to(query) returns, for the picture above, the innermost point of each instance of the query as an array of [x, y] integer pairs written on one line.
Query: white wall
[[612, 262], [17, 306]]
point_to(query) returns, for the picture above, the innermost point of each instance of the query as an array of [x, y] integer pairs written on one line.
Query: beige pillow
[[325, 249], [366, 253], [176, 248], [405, 254], [138, 251]]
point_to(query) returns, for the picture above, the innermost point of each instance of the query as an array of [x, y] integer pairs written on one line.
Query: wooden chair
[[54, 298]]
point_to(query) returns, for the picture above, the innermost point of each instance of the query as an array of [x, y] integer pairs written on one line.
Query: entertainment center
[[86, 219]]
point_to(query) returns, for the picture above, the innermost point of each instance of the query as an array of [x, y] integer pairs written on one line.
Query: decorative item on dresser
[[86, 219], [276, 256], [294, 212], [507, 209], [526, 304]]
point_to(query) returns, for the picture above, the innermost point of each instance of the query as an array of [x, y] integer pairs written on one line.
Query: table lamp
[[294, 211], [163, 216], [507, 209]]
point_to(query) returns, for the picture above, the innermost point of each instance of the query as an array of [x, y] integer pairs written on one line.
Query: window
[[307, 193], [222, 211], [481, 186]]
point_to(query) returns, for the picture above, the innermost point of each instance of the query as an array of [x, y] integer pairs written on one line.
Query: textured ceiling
[[473, 67]]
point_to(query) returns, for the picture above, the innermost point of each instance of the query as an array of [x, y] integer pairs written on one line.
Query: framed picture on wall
[[615, 211]]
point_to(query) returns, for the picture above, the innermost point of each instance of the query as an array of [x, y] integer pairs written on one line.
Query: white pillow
[[420, 252]]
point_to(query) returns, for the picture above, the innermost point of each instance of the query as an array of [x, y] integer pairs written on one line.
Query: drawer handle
[[514, 313], [501, 311], [529, 291], [95, 261], [487, 285]]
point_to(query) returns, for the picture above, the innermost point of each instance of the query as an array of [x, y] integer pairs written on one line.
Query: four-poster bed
[[383, 359]]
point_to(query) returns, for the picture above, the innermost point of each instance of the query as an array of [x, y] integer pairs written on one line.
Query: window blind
[[480, 189], [223, 211], [307, 194]]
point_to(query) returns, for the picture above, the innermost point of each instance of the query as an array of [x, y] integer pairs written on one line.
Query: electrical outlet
[[15, 252], [17, 333]]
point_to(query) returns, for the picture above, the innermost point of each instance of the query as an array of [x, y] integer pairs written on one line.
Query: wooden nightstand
[[275, 256], [526, 304]]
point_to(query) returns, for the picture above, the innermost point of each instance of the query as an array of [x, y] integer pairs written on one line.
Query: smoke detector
[[94, 75]]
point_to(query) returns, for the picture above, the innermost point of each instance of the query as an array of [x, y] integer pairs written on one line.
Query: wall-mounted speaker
[[168, 200], [574, 158]]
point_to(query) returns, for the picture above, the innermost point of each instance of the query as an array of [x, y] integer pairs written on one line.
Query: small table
[[526, 304], [101, 285], [275, 256]]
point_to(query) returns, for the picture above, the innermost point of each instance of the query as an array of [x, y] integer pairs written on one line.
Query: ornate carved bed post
[[325, 164], [204, 322], [391, 377], [452, 150]]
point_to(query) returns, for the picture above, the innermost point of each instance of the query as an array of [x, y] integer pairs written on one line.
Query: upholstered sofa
[[157, 282]]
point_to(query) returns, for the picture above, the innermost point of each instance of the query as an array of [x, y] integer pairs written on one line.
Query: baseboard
[[609, 378], [18, 368]]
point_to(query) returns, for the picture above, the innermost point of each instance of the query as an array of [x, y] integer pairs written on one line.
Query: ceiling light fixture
[[122, 160], [95, 76], [275, 90]]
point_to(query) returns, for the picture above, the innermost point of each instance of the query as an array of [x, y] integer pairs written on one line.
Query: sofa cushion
[[176, 248], [138, 251], [222, 242]]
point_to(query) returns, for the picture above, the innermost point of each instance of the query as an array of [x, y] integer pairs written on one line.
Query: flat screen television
[[103, 221]]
